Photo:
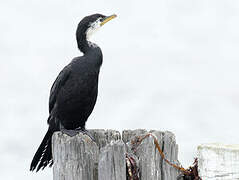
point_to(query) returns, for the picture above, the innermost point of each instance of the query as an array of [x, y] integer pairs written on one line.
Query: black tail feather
[[43, 156]]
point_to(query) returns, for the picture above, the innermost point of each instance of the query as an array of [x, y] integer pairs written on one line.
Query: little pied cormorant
[[73, 94]]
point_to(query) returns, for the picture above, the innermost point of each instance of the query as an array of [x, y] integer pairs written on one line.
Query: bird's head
[[88, 25]]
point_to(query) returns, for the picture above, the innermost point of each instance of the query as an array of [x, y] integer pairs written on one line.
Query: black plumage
[[73, 94]]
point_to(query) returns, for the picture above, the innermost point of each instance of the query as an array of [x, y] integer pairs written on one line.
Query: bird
[[74, 92]]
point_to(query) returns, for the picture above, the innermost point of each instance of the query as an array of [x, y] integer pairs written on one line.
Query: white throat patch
[[93, 28]]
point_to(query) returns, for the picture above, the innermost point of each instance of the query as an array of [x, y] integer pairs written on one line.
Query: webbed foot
[[74, 132], [69, 132]]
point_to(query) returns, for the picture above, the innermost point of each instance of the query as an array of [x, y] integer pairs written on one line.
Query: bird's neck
[[84, 44]]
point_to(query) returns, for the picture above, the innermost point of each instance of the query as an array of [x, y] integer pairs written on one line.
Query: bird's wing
[[57, 85]]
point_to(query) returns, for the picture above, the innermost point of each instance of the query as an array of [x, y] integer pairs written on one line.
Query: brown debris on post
[[193, 172], [132, 171]]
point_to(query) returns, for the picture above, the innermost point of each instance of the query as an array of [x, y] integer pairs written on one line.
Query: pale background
[[168, 65]]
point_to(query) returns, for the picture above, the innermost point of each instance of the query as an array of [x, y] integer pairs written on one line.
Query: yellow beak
[[107, 19]]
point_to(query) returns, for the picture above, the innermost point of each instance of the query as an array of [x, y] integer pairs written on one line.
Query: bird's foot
[[69, 132], [86, 132], [74, 132]]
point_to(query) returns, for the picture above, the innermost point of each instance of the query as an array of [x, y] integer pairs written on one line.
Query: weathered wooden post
[[151, 164], [218, 162], [112, 164], [78, 158], [74, 157]]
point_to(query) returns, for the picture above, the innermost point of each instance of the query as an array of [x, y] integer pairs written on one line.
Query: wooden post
[[79, 158], [74, 157], [151, 165], [112, 165], [218, 161]]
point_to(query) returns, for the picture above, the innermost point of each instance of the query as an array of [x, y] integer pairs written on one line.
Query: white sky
[[168, 65]]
